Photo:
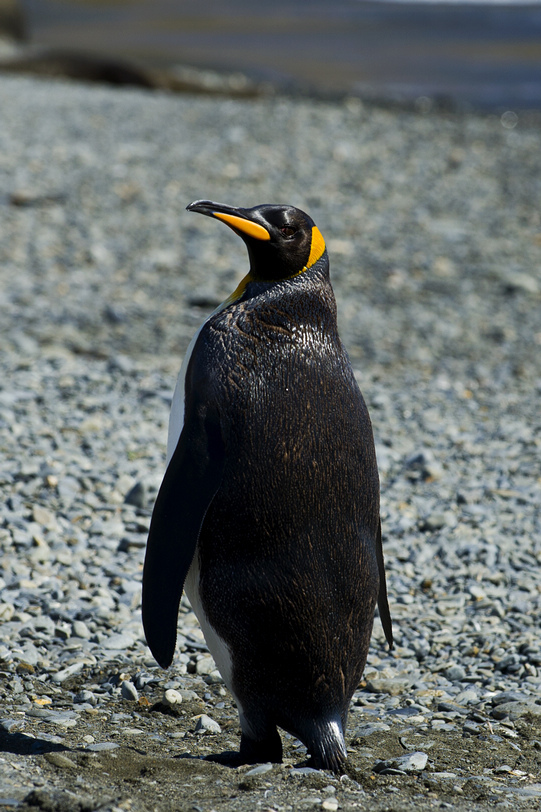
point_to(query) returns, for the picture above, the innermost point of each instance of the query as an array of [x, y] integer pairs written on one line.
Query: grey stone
[[452, 707], [421, 648], [38, 713], [214, 678], [261, 769], [99, 747], [44, 624], [189, 696], [86, 697], [172, 697], [444, 776], [369, 728], [129, 691], [509, 696], [65, 719], [503, 768], [455, 673], [80, 629], [394, 687], [137, 496], [507, 662], [408, 763], [6, 611], [468, 697], [69, 671], [118, 642], [27, 654], [514, 710], [62, 632], [11, 725], [205, 665], [205, 724], [61, 761], [531, 791]]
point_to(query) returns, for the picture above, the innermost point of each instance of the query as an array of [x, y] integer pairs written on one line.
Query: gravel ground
[[434, 233]]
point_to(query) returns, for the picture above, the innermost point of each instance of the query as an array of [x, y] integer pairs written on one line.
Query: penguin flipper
[[189, 486], [383, 604]]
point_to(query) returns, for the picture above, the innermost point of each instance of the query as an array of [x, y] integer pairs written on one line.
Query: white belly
[[217, 647]]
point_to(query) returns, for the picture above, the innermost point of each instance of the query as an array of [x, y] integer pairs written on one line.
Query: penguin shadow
[[22, 745], [233, 759], [229, 758]]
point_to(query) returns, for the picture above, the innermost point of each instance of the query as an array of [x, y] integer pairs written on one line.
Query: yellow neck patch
[[239, 290], [316, 252]]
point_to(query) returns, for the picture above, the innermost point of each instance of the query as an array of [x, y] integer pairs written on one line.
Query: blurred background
[[454, 53]]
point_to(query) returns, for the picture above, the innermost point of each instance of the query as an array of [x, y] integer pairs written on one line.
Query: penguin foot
[[326, 746], [334, 762], [263, 750]]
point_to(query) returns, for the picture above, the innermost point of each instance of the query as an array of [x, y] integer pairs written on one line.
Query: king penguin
[[268, 514]]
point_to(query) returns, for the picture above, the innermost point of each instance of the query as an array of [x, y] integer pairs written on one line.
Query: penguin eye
[[288, 231]]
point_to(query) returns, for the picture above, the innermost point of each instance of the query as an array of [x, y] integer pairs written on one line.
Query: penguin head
[[282, 241]]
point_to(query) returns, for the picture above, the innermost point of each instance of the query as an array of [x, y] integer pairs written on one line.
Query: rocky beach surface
[[433, 227]]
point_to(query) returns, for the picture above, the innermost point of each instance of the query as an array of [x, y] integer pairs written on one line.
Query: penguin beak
[[237, 219]]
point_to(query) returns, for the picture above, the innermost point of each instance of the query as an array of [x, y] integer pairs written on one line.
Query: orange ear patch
[[317, 248]]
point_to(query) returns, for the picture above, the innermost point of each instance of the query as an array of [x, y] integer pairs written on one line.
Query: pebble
[[452, 707], [100, 747], [118, 642], [509, 696], [67, 672], [531, 791], [172, 697], [261, 769], [503, 768], [468, 697], [137, 496], [188, 695], [471, 727], [85, 697], [205, 666], [129, 691], [408, 763], [11, 725], [514, 710], [368, 729], [455, 673], [393, 687], [80, 629], [61, 761], [205, 724]]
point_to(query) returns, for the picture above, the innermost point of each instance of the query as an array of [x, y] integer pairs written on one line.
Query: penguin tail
[[326, 746]]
